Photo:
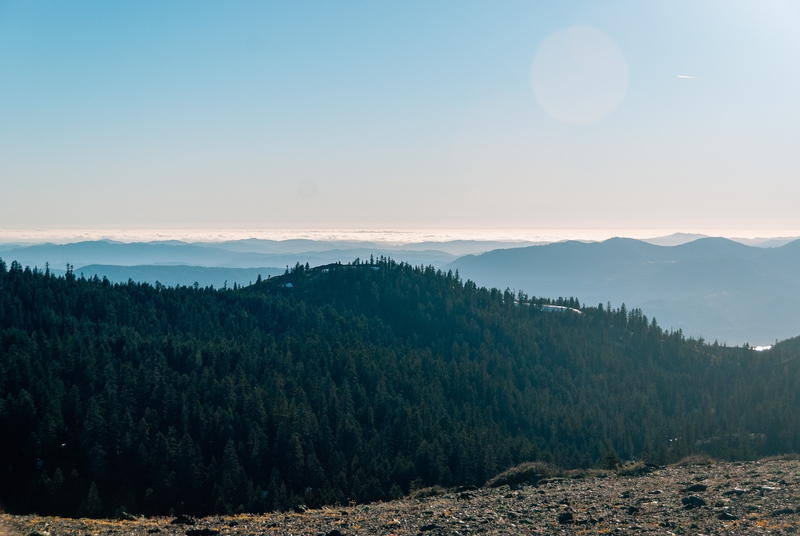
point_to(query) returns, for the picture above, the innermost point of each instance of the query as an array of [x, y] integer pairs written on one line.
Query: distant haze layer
[[667, 236]]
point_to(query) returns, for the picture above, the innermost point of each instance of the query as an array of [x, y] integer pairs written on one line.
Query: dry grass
[[432, 491], [696, 459]]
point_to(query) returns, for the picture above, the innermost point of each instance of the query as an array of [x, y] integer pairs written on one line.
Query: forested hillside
[[346, 383]]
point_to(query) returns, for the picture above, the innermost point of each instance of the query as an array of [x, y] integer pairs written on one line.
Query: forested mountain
[[174, 262], [346, 383], [712, 287]]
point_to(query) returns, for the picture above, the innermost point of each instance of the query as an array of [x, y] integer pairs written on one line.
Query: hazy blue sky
[[430, 114]]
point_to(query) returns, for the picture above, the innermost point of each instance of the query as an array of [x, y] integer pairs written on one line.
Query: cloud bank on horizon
[[377, 116]]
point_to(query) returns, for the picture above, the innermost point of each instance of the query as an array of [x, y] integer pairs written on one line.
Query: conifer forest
[[348, 383]]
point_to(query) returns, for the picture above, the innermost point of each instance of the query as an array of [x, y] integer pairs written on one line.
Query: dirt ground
[[723, 498]]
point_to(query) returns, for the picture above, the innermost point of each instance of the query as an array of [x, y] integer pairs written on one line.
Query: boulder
[[692, 502], [695, 488]]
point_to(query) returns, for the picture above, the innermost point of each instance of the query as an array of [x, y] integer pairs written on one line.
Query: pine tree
[[92, 507]]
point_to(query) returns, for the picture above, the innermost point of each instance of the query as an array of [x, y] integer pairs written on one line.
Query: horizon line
[[388, 236]]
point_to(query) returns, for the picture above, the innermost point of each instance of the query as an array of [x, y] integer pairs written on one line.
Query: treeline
[[346, 383]]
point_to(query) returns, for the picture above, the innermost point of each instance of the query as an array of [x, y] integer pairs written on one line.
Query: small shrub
[[525, 472], [396, 492], [611, 461], [633, 469]]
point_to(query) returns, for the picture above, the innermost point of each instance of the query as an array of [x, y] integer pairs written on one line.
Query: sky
[[457, 115]]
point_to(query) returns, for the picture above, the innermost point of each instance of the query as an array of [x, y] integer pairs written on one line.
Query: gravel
[[723, 498]]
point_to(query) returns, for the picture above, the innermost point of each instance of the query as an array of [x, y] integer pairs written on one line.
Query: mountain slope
[[712, 287]]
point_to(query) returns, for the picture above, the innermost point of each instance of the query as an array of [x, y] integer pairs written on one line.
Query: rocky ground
[[723, 498]]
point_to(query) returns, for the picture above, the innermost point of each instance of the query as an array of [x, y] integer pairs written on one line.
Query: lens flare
[[579, 75]]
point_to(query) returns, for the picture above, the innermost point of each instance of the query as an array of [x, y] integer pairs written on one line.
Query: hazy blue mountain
[[179, 275], [240, 254], [117, 253], [712, 287], [12, 245], [775, 242], [452, 247], [247, 253], [674, 239], [467, 247], [677, 239], [257, 245]]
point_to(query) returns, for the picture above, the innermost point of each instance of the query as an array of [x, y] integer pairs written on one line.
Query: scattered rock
[[692, 501], [783, 512], [565, 518], [613, 504], [201, 532], [735, 491]]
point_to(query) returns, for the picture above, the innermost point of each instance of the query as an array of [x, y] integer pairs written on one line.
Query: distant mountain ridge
[[676, 239], [173, 262], [224, 254], [712, 287]]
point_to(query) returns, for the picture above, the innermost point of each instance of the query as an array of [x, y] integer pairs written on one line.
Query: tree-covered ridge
[[345, 383]]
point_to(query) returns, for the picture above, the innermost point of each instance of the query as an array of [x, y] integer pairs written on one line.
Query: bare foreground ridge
[[760, 497]]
